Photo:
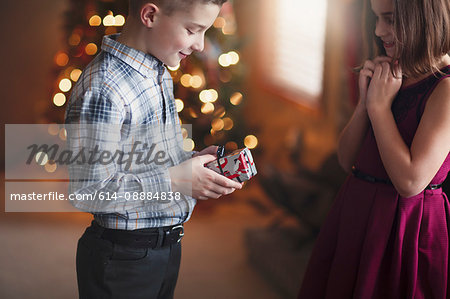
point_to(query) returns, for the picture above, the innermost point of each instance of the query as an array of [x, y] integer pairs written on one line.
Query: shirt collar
[[145, 64]]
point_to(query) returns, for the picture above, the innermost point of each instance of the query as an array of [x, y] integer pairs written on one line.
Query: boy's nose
[[199, 44]]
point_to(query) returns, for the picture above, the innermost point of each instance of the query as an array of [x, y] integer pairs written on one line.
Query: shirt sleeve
[[111, 179]]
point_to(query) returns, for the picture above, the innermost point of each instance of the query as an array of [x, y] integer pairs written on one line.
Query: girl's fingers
[[381, 59], [369, 65], [385, 70], [397, 71], [366, 73], [378, 71]]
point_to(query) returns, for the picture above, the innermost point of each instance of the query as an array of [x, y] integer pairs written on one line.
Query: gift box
[[238, 165]]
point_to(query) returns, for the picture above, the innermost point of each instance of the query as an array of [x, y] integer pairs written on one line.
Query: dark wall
[[31, 35]]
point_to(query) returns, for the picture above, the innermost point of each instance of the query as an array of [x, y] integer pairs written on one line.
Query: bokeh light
[[91, 49], [184, 132], [208, 95], [207, 108], [65, 85], [53, 129], [180, 105], [227, 123], [119, 20], [219, 22], [63, 134], [231, 146], [95, 20], [74, 39], [193, 113], [251, 141], [225, 60], [109, 20], [61, 59], [59, 99], [188, 144], [196, 81], [186, 80], [75, 75], [217, 124], [236, 98], [175, 68], [234, 57], [50, 166], [41, 158]]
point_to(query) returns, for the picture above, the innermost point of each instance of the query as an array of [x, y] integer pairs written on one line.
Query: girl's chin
[[389, 52]]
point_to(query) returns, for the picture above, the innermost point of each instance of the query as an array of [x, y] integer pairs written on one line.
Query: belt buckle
[[181, 234], [434, 186]]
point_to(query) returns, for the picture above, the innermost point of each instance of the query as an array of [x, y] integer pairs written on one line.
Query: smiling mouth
[[183, 55], [388, 44]]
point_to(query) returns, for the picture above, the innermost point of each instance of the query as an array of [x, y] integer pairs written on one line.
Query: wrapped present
[[238, 165]]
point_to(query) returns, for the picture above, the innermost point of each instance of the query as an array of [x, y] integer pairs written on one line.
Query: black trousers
[[108, 270]]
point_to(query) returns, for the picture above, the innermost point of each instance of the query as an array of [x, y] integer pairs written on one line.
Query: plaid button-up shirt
[[121, 91]]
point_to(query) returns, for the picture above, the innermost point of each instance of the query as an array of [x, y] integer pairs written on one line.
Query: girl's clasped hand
[[379, 83]]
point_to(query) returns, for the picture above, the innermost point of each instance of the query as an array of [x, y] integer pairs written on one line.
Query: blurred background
[[275, 76]]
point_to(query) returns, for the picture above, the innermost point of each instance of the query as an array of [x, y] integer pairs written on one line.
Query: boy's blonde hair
[[422, 32], [168, 6]]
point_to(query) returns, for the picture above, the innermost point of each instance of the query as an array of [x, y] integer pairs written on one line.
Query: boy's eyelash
[[190, 31]]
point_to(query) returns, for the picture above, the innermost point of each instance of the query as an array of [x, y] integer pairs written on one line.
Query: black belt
[[367, 177], [145, 238]]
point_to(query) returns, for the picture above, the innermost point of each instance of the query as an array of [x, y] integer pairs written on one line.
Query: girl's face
[[384, 28]]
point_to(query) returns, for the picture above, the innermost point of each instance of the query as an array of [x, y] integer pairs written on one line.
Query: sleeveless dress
[[375, 243]]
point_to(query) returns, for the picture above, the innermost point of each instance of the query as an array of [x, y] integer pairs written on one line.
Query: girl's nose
[[381, 29]]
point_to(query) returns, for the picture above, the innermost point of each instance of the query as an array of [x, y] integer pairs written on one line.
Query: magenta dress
[[375, 243]]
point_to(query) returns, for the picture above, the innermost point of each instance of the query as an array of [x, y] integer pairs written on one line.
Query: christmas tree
[[207, 85]]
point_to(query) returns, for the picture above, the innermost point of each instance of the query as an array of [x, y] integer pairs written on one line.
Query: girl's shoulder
[[442, 89], [439, 99], [442, 85], [431, 93], [427, 81]]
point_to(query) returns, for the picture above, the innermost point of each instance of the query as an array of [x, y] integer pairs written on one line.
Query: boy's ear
[[149, 11]]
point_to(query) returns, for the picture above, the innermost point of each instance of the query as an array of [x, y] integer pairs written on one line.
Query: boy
[[132, 248]]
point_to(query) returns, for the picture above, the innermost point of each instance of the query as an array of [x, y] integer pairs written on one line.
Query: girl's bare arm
[[354, 132], [410, 169]]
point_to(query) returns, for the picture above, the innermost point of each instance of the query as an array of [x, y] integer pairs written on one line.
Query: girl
[[387, 235]]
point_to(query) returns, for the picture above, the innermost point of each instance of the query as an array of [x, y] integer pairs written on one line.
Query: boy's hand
[[192, 178], [210, 150]]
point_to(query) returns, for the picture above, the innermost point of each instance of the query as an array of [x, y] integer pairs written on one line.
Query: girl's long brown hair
[[422, 33]]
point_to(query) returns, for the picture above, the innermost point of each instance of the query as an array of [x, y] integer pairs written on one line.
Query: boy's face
[[177, 35]]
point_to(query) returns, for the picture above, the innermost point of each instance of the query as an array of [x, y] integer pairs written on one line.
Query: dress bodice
[[407, 107]]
